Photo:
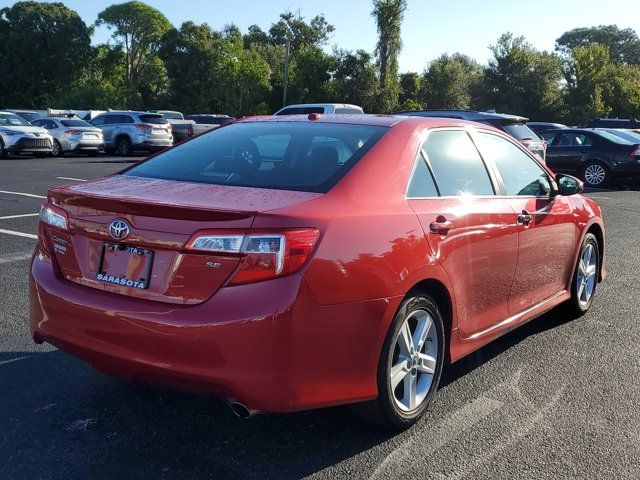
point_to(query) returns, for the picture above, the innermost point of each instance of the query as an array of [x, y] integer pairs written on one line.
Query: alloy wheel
[[587, 269], [595, 174], [414, 361], [56, 149]]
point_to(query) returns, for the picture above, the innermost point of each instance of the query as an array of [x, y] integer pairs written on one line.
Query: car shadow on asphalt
[[60, 416]]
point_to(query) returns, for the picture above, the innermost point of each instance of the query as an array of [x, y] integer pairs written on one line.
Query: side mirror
[[568, 185]]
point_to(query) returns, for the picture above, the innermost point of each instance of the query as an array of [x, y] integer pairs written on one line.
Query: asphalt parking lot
[[554, 399]]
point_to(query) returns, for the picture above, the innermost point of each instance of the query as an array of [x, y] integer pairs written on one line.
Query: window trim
[[494, 180]]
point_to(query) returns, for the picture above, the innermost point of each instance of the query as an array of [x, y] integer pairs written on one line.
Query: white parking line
[[22, 194], [22, 215], [19, 234], [15, 258], [73, 179], [4, 362]]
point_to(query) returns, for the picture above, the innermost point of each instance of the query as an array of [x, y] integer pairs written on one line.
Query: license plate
[[125, 265], [89, 135]]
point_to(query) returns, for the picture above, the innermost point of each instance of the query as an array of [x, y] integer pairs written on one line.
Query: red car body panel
[[312, 338]]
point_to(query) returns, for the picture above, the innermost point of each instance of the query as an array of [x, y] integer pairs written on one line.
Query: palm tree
[[388, 15]]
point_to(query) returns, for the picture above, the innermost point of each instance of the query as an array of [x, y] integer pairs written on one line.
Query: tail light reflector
[[54, 216], [72, 132], [636, 152], [264, 254]]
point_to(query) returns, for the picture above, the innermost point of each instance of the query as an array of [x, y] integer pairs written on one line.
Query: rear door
[[546, 232], [111, 128], [471, 231]]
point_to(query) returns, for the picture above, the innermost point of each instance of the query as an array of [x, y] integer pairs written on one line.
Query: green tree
[[410, 92], [388, 15], [452, 82], [138, 29], [355, 80], [292, 26], [623, 43], [522, 80], [43, 49], [625, 90], [589, 83]]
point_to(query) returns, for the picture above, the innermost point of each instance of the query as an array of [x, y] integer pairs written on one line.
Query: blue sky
[[430, 27]]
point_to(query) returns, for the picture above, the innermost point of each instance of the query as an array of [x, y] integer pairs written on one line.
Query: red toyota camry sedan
[[290, 263]]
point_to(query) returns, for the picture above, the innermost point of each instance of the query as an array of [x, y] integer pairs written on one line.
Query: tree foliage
[[452, 81], [43, 49], [138, 29], [623, 44]]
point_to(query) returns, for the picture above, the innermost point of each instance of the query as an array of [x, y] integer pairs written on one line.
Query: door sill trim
[[515, 318]]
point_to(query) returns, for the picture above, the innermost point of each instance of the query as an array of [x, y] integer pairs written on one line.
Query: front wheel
[[585, 278], [410, 365], [595, 175]]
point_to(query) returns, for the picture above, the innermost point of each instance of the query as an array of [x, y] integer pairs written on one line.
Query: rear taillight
[[54, 216], [169, 126], [190, 131], [264, 254], [72, 132], [144, 126], [636, 152]]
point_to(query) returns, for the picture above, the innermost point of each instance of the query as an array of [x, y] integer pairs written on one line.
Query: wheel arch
[[598, 232], [442, 296]]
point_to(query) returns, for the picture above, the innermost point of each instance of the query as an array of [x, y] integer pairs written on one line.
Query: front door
[[565, 153], [472, 232], [546, 233]]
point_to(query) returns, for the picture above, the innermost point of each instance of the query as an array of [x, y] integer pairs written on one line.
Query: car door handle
[[441, 226], [525, 218]]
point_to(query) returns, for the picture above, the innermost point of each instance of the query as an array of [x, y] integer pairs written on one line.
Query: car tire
[[124, 147], [585, 277], [3, 153], [56, 150], [414, 367], [596, 174]]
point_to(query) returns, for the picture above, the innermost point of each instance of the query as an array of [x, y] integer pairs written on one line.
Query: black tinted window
[[421, 184], [456, 164], [155, 119], [98, 120], [125, 119], [520, 174], [74, 123], [287, 156]]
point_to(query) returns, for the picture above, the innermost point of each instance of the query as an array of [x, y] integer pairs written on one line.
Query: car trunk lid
[[151, 262]]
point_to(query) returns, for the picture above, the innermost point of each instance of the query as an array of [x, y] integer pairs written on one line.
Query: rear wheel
[[595, 174], [56, 150], [410, 365], [585, 278], [3, 151], [124, 146]]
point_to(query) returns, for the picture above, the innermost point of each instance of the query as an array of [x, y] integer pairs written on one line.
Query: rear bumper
[[150, 145], [268, 344], [627, 171]]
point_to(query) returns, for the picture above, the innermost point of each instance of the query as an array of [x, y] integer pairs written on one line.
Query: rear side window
[[98, 120], [520, 174], [421, 184], [154, 119], [286, 156], [456, 164], [572, 140]]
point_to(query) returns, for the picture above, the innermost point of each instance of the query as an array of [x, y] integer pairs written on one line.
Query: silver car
[[72, 135], [128, 131], [19, 136]]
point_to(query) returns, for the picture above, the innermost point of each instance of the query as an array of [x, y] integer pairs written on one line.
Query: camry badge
[[119, 229]]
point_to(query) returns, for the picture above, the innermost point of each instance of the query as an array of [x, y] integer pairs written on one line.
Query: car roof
[[473, 115], [368, 119], [347, 105]]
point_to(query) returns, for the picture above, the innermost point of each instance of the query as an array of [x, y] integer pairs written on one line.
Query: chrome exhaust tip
[[240, 410]]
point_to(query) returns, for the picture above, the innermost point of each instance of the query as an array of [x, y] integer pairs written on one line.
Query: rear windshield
[[614, 138], [173, 115], [626, 134], [155, 118], [285, 156], [29, 116], [520, 131], [75, 123]]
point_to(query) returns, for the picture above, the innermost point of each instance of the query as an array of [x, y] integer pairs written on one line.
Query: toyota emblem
[[119, 229]]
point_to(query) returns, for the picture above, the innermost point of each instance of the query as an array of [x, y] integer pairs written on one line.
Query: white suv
[[328, 108], [18, 136]]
